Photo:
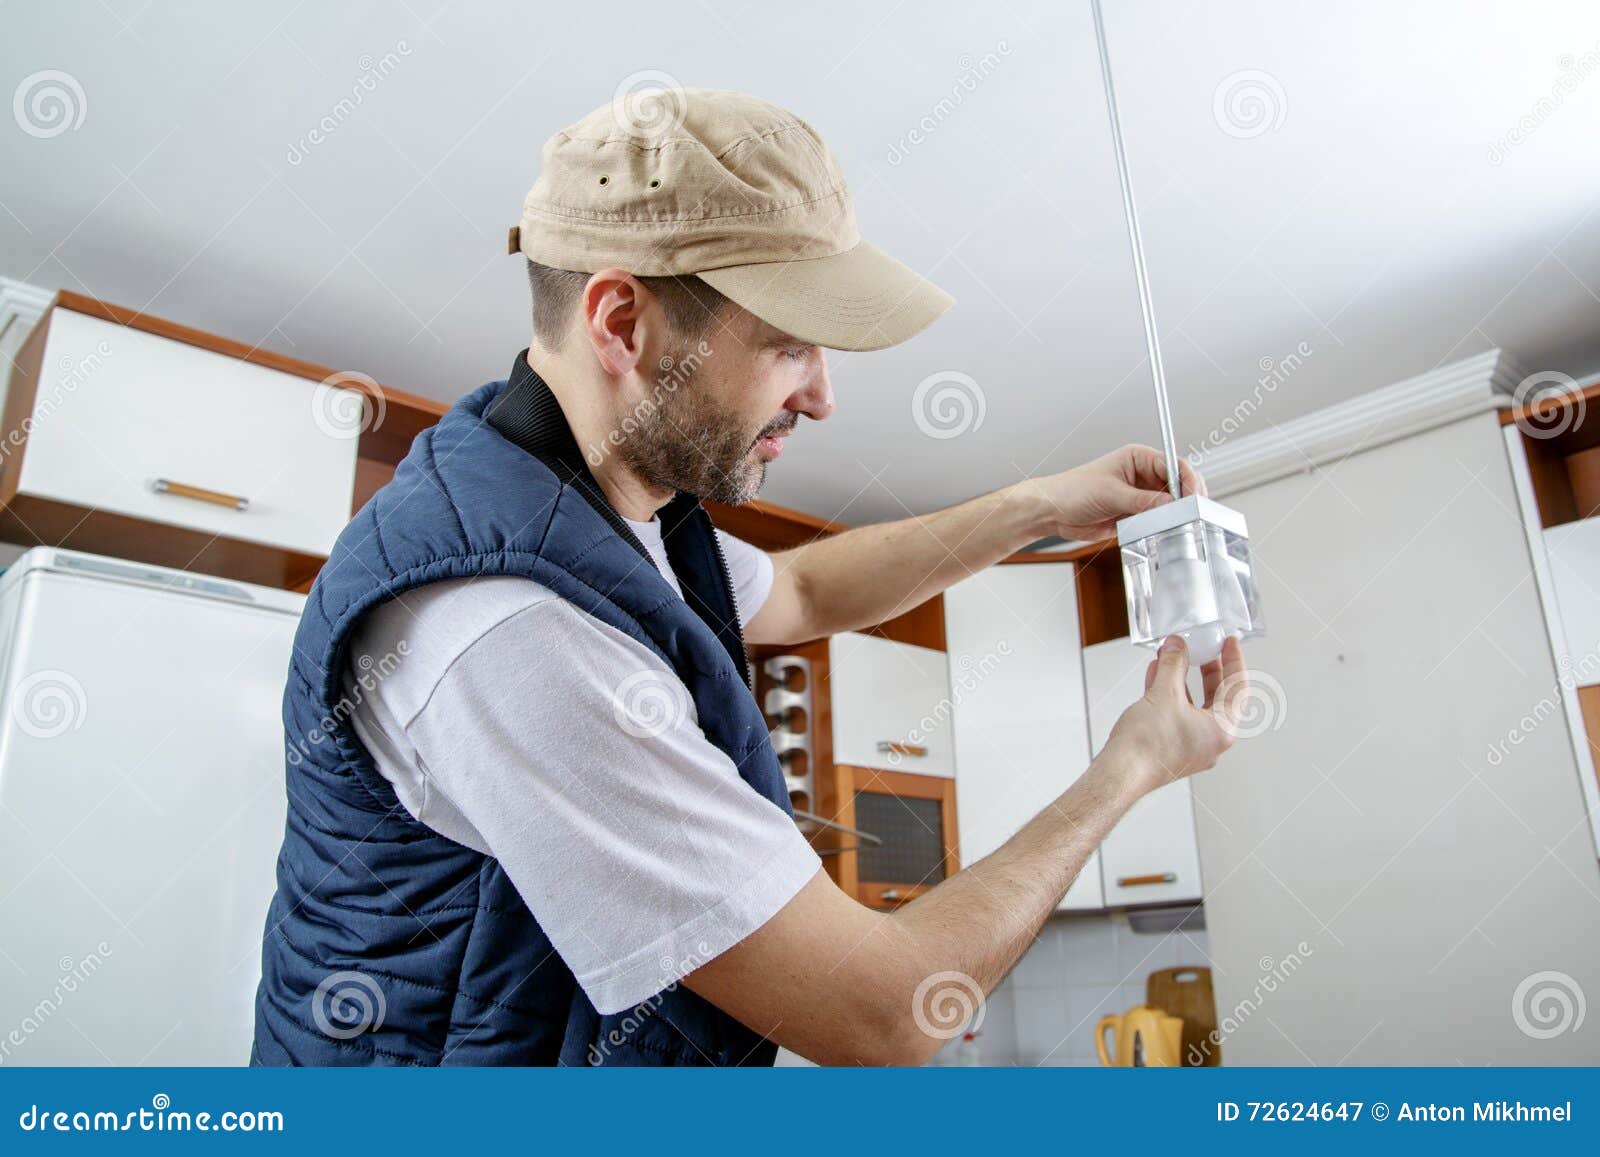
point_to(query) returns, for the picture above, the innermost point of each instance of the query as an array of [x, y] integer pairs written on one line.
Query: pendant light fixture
[[1186, 564]]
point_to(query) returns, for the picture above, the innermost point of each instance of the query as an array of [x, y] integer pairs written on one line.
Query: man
[[535, 816]]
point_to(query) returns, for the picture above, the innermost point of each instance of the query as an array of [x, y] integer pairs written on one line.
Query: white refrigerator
[[141, 808]]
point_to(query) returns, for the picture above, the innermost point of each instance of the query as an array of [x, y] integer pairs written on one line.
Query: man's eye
[[797, 353]]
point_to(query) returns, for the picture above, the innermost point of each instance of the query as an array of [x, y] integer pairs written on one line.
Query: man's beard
[[692, 443]]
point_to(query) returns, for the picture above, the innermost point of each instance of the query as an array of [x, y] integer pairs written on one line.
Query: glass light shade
[[1186, 570]]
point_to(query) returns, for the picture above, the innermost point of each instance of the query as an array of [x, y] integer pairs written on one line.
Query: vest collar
[[528, 414]]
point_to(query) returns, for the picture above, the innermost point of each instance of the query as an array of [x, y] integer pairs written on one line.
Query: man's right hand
[[1164, 736]]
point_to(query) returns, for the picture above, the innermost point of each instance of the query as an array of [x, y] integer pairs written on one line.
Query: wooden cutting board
[[1186, 992]]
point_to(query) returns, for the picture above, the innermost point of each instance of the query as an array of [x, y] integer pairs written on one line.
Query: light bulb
[[1186, 569], [1181, 595]]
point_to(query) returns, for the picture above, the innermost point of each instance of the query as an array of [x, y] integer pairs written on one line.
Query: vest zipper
[[727, 593]]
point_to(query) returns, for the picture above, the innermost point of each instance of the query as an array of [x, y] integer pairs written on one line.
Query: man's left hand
[[1084, 503]]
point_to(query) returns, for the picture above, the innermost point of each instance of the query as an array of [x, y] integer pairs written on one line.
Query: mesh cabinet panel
[[912, 832]]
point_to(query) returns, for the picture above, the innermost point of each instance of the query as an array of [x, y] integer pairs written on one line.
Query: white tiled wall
[[1080, 968]]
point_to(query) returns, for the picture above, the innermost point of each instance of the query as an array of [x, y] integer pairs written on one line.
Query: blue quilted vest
[[388, 943]]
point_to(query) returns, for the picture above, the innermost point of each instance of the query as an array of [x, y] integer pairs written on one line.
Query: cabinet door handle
[[199, 494], [1141, 881], [889, 894], [885, 747]]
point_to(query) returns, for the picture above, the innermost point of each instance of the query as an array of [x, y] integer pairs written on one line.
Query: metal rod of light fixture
[[1152, 342]]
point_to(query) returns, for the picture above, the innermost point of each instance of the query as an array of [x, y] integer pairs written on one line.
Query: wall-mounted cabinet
[[131, 436], [1021, 730], [891, 705], [1150, 857], [1554, 450]]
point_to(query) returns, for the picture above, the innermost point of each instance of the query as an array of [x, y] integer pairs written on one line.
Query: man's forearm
[[841, 984], [981, 920], [870, 984], [871, 574]]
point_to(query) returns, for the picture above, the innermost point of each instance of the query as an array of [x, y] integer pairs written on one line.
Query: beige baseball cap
[[668, 180]]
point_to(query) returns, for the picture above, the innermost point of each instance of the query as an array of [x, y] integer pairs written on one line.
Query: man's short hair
[[689, 303]]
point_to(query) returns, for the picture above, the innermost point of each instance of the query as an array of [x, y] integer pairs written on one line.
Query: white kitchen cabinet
[[1404, 822], [116, 410], [1151, 856], [891, 705], [1016, 677], [1566, 572], [1573, 550]]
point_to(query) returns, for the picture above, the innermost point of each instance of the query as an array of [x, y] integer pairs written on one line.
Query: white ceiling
[[1368, 220]]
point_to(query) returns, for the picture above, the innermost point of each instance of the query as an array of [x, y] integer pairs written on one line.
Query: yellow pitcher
[[1145, 1038]]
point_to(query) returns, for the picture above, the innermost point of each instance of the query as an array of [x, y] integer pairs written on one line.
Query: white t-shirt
[[522, 727]]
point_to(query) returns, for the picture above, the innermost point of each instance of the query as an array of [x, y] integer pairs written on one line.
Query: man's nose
[[815, 398]]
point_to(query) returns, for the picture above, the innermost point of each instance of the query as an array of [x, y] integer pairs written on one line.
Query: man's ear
[[613, 304]]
